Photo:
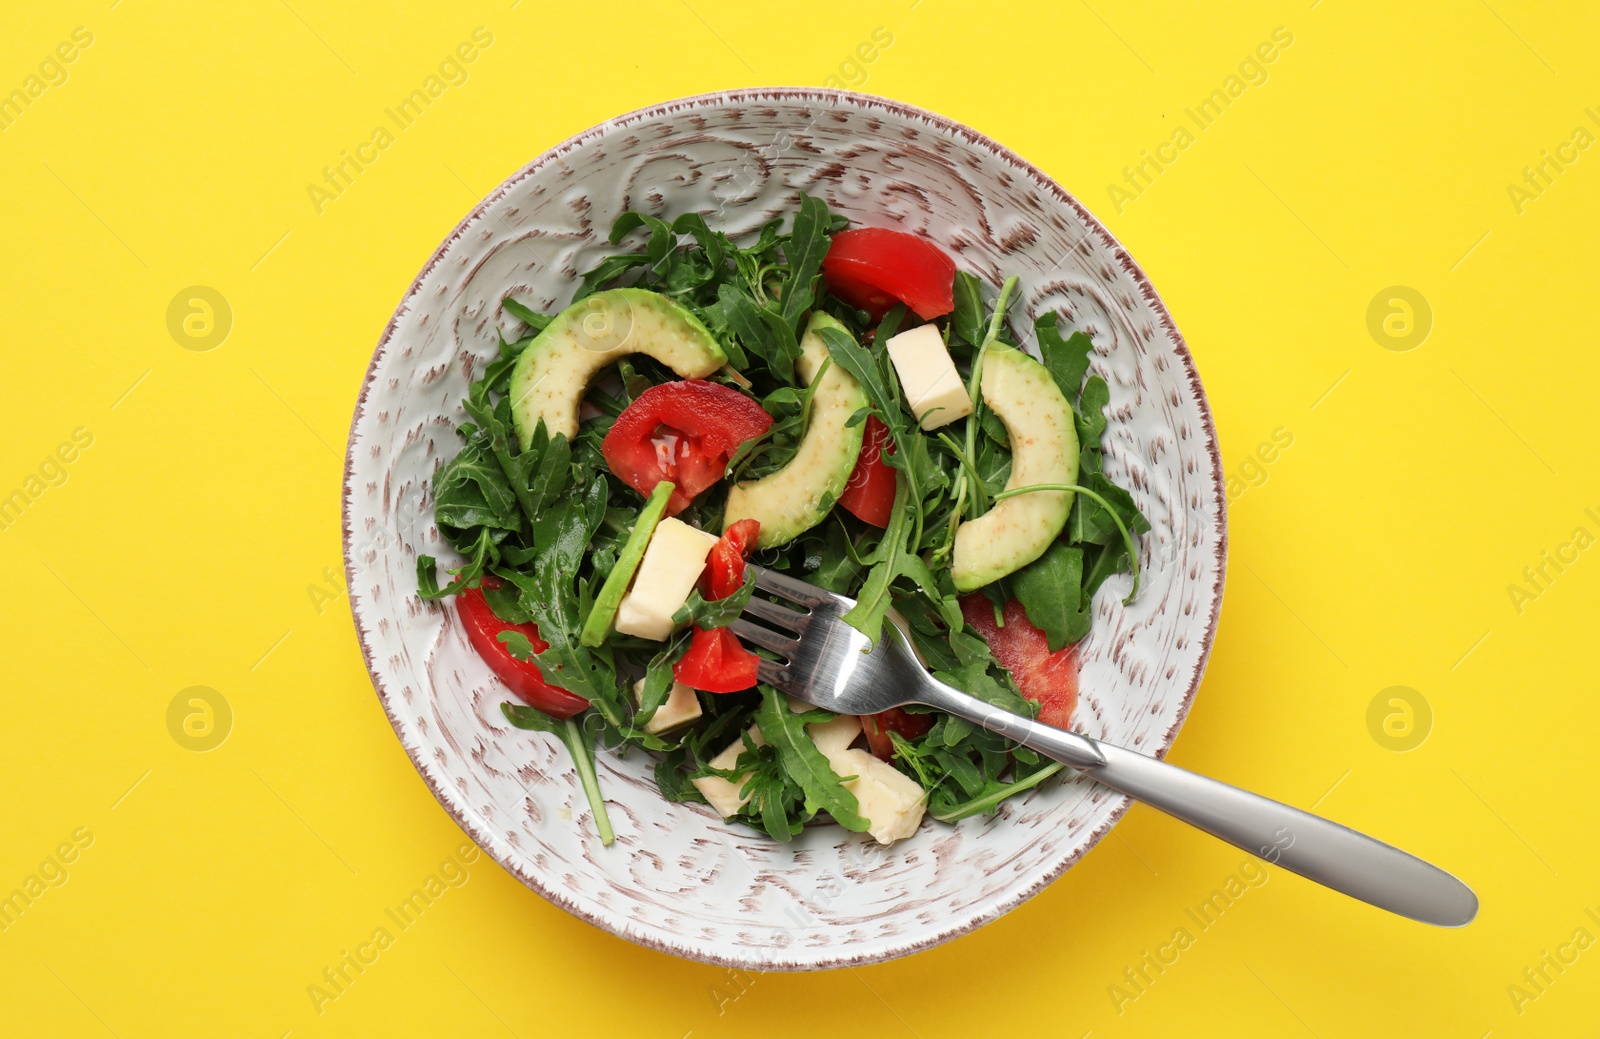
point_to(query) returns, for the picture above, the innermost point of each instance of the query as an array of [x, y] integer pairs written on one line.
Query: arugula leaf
[[807, 245], [1090, 417], [837, 564], [889, 561], [658, 678], [471, 490], [929, 633], [428, 578], [763, 333], [672, 780], [556, 600], [890, 323], [1090, 523], [1051, 592], [715, 243], [967, 321], [977, 678], [663, 239], [606, 271], [853, 358], [993, 795], [1066, 359], [911, 454], [535, 321], [774, 800], [580, 745], [718, 613], [785, 732]]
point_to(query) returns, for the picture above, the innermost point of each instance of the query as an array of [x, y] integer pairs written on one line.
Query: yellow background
[[186, 545]]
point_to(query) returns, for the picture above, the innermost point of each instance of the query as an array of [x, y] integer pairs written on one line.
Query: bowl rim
[[500, 850]]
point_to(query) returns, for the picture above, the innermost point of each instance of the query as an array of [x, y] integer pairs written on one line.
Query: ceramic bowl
[[678, 878]]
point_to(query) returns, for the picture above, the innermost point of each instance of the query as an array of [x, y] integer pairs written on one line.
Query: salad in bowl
[[538, 382], [840, 403]]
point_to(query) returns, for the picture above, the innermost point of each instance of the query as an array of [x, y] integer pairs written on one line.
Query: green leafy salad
[[839, 404]]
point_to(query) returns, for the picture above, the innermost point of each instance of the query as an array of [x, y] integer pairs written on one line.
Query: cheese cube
[[891, 801], [831, 737], [835, 735], [680, 708], [928, 377], [727, 797], [944, 403], [671, 566]]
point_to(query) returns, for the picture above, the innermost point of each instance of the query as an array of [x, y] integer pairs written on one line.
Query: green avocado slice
[[553, 373], [603, 614], [1044, 449], [797, 497]]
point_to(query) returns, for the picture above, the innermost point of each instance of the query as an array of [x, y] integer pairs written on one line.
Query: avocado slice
[[1044, 449], [794, 499], [554, 371], [603, 614]]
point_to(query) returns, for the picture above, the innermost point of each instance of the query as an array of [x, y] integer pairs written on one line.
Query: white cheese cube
[[920, 358], [928, 377], [671, 566], [891, 801], [944, 403], [680, 708], [831, 737], [726, 797]]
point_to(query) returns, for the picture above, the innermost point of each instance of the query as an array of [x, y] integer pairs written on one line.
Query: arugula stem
[[998, 317], [1127, 538], [582, 752], [974, 393], [968, 467], [994, 797]]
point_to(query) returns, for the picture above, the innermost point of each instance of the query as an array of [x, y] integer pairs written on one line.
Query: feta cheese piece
[[928, 377], [680, 708], [831, 737], [725, 796], [671, 566], [836, 734], [944, 403], [891, 801]]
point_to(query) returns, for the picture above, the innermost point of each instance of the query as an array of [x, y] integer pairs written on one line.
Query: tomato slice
[[872, 267], [1048, 679], [870, 491], [716, 662], [521, 676], [681, 431], [876, 727], [724, 572]]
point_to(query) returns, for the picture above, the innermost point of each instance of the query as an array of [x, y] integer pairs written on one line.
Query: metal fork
[[828, 663]]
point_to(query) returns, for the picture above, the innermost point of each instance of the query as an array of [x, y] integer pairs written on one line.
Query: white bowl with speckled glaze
[[678, 879]]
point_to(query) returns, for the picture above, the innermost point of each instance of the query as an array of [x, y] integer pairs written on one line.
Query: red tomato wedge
[[521, 676], [876, 727], [870, 491], [1048, 679], [684, 432], [716, 661], [872, 267], [724, 572]]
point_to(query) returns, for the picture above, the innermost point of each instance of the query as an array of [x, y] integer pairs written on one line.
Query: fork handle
[[1316, 848]]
